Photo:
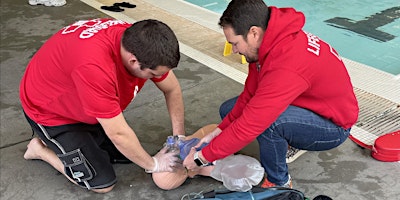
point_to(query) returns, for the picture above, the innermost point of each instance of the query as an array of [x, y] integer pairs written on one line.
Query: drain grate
[[378, 116]]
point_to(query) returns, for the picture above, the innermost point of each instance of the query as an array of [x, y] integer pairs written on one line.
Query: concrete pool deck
[[346, 172]]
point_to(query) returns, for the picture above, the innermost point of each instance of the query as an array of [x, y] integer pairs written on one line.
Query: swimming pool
[[366, 31]]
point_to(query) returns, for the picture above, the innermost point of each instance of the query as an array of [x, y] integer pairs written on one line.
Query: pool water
[[366, 31]]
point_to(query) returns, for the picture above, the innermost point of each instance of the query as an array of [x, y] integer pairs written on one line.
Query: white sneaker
[[293, 153], [47, 2]]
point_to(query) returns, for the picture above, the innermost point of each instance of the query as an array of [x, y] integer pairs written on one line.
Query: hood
[[283, 22]]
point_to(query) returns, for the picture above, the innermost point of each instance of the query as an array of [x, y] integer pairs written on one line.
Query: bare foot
[[35, 147]]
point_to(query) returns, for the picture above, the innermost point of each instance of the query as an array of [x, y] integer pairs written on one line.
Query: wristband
[[198, 160], [181, 136]]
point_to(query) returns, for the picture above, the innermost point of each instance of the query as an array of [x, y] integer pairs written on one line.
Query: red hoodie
[[295, 68]]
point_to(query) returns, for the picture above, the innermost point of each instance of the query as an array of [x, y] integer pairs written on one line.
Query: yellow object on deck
[[228, 51]]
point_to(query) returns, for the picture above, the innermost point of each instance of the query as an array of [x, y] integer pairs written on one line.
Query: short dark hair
[[153, 43], [243, 14]]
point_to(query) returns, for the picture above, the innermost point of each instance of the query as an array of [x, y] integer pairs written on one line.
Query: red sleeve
[[243, 98], [161, 78], [274, 93]]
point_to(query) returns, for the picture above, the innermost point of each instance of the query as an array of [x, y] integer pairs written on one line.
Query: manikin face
[[132, 65], [248, 48]]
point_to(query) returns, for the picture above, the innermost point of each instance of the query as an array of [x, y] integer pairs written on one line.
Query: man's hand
[[189, 161], [208, 137], [166, 161]]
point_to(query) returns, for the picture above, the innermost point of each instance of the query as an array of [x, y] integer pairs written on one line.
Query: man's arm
[[173, 97], [126, 141]]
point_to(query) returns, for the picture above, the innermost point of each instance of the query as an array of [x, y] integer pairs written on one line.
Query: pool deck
[[207, 79]]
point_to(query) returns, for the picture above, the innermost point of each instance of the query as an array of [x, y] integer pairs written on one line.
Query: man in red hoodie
[[297, 91]]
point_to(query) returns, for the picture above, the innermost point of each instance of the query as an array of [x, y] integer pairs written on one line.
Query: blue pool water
[[372, 37]]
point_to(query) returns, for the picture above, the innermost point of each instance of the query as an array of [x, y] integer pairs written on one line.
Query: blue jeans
[[297, 127]]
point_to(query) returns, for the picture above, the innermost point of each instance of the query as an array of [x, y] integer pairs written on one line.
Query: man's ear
[[128, 58], [255, 33], [132, 60]]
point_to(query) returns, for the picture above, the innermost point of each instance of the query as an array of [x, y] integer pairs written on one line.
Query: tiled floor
[[347, 172]]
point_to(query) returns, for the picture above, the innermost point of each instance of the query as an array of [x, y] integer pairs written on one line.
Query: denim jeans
[[297, 127]]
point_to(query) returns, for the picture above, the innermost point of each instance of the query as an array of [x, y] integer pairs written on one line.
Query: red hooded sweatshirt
[[295, 68]]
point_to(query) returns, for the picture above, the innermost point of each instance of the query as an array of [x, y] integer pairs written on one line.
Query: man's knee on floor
[[97, 178], [103, 190]]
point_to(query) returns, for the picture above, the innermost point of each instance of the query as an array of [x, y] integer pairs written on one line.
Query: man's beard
[[254, 58]]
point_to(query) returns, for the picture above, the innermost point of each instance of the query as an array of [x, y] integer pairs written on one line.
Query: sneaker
[[293, 153], [267, 184], [47, 2]]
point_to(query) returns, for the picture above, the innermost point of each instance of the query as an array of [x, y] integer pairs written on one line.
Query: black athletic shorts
[[85, 150]]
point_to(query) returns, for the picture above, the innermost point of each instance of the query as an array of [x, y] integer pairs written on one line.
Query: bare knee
[[103, 190]]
